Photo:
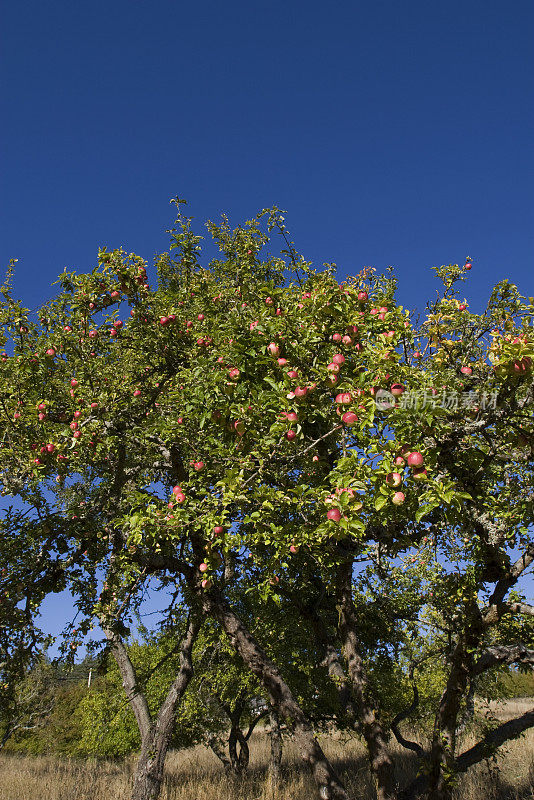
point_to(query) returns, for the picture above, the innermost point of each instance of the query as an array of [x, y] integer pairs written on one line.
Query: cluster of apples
[[413, 459], [204, 567], [345, 399]]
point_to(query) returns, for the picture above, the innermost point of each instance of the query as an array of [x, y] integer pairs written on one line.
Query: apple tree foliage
[[256, 420]]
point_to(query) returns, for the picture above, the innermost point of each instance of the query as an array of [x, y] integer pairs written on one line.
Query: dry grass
[[196, 774]]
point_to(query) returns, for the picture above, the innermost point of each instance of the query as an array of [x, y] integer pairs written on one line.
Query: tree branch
[[409, 745], [494, 739], [500, 655], [135, 697]]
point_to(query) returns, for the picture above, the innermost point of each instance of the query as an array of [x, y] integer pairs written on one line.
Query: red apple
[[398, 498], [291, 435], [339, 358], [218, 530], [336, 337], [74, 383], [393, 479], [334, 514], [206, 583], [300, 391], [273, 349], [203, 567], [397, 389], [363, 297], [137, 392], [415, 459], [466, 371], [349, 418]]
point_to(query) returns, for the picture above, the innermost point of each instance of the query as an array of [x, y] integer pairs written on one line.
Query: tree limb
[[493, 740], [499, 655]]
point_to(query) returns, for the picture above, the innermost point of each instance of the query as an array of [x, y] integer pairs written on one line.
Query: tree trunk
[[328, 783], [155, 734], [275, 761], [149, 771], [376, 740], [239, 760], [444, 738], [219, 749]]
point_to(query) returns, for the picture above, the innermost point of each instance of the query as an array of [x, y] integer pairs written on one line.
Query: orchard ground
[[195, 773]]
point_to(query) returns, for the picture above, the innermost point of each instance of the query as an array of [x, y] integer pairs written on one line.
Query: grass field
[[196, 774]]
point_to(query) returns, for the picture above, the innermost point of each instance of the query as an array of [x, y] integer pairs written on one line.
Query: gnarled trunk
[[442, 753], [149, 771], [376, 740], [239, 758]]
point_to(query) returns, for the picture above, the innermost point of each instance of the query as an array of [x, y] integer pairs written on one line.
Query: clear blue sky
[[393, 133]]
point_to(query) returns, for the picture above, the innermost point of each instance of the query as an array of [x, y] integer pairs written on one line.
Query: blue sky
[[392, 133]]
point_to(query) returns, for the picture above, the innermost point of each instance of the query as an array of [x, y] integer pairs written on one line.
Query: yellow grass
[[196, 774]]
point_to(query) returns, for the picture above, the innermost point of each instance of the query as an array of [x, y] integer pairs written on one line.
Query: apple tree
[[256, 417]]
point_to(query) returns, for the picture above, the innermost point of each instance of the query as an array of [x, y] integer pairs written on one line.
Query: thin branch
[[402, 715]]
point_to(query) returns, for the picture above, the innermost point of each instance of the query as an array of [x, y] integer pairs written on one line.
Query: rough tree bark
[[275, 761], [444, 737], [375, 738], [328, 783], [155, 733]]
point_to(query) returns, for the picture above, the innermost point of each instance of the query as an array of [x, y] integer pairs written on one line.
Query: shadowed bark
[[375, 738], [328, 783], [483, 749], [275, 761]]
